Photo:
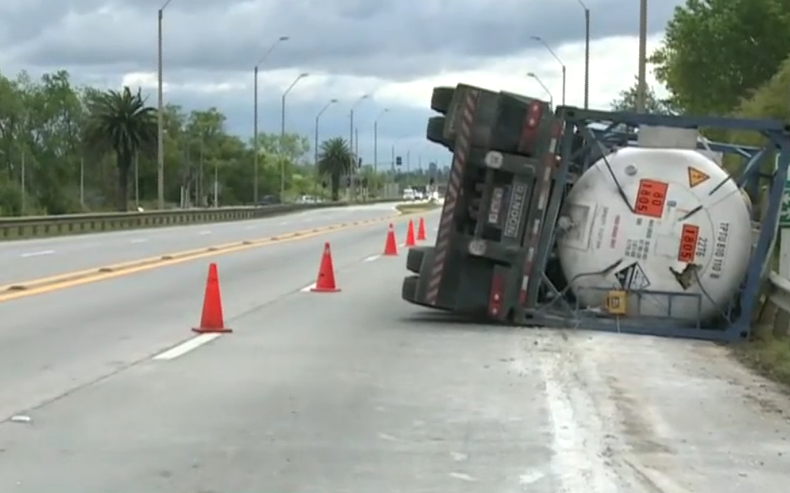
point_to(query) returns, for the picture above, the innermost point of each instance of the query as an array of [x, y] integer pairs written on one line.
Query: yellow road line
[[63, 281]]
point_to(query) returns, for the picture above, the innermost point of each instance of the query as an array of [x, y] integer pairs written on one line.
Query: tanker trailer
[[672, 222]]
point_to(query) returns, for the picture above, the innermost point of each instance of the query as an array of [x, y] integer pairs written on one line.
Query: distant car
[[306, 199], [409, 194], [268, 200]]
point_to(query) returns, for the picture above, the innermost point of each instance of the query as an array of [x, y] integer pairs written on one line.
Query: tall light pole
[[282, 132], [255, 117], [317, 118], [559, 60], [641, 87], [376, 139], [352, 168], [160, 138], [586, 54], [551, 96]]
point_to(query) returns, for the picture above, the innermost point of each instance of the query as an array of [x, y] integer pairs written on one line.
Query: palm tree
[[335, 160], [120, 122]]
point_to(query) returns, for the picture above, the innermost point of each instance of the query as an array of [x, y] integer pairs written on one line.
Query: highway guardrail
[[775, 312], [72, 224]]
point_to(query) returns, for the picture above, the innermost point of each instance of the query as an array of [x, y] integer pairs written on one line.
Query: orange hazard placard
[[696, 177], [651, 197], [688, 243]]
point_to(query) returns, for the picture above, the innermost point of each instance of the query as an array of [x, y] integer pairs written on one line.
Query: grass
[[416, 207], [766, 353]]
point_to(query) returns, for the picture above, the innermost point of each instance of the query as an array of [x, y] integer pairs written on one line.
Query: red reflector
[[495, 296]]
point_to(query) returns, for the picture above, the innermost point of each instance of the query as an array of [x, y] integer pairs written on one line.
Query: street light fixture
[[559, 60], [353, 166], [376, 139], [586, 54], [265, 56], [160, 139], [282, 132], [551, 96], [317, 118]]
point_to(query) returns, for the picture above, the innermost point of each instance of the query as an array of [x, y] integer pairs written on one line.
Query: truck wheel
[[415, 257], [435, 131], [441, 99], [409, 289]]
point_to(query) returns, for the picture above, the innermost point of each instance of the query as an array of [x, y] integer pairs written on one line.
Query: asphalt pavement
[[104, 390], [27, 260]]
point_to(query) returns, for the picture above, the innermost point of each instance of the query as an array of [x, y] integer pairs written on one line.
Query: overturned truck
[[599, 220]]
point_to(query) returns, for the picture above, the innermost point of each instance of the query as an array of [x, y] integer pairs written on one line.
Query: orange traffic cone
[[211, 320], [410, 235], [325, 283], [421, 230], [391, 246]]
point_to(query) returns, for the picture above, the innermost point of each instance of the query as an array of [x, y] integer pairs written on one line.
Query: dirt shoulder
[[767, 354]]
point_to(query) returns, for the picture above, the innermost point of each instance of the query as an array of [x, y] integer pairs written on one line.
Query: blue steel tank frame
[[612, 130]]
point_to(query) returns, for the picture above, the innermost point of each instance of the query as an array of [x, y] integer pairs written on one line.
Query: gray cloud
[[392, 40], [100, 40]]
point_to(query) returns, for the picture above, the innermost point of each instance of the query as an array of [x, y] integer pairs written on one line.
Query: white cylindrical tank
[[684, 229]]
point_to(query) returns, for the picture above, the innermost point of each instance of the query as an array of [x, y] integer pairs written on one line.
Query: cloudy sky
[[394, 51]]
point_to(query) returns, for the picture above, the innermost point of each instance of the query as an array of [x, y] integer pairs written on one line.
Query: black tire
[[415, 258], [435, 131], [441, 99], [409, 289]]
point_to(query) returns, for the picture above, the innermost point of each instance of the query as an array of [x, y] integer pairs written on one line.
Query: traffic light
[[359, 163], [431, 181], [398, 161], [323, 184]]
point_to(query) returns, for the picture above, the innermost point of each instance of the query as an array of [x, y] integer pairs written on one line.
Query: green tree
[[716, 51], [120, 122], [334, 160], [626, 101], [45, 153]]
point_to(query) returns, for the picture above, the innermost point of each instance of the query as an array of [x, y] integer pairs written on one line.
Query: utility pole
[[641, 88], [160, 151]]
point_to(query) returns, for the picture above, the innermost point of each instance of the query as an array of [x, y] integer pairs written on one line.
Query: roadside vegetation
[[66, 148], [417, 207], [724, 57]]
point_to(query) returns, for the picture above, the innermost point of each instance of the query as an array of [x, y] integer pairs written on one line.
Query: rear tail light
[[530, 127]]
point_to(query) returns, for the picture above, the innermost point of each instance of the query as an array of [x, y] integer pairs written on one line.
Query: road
[[32, 259], [358, 392]]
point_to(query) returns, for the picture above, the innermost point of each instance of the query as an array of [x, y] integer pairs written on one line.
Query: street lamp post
[[160, 139], [551, 96], [317, 118], [641, 88], [586, 54], [352, 168], [559, 60], [282, 132], [255, 117], [376, 139]]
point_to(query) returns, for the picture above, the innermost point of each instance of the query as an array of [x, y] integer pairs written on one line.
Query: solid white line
[[371, 258], [203, 233], [38, 254], [138, 240], [186, 347], [307, 288]]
